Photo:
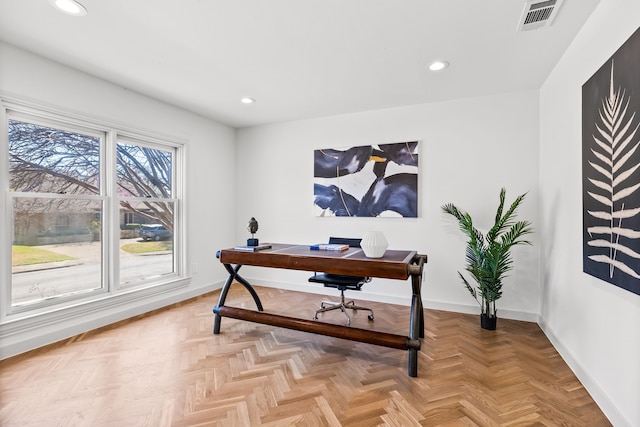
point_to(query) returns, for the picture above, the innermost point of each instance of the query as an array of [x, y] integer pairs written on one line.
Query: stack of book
[[329, 247], [252, 248]]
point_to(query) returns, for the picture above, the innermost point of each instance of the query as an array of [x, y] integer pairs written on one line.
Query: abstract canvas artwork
[[611, 169], [367, 181]]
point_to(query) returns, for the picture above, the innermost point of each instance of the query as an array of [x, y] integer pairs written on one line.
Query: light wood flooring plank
[[166, 368]]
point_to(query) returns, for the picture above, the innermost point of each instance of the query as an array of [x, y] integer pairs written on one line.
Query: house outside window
[[77, 195]]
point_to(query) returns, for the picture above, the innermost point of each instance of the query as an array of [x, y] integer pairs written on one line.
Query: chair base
[[342, 306]]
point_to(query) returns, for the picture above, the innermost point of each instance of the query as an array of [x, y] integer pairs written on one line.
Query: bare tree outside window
[[48, 160], [145, 172], [56, 181]]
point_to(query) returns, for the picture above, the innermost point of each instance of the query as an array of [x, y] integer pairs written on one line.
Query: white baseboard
[[321, 290], [391, 299], [593, 388], [17, 340], [20, 337], [29, 339]]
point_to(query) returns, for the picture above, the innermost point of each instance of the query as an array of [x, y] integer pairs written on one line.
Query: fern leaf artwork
[[611, 170]]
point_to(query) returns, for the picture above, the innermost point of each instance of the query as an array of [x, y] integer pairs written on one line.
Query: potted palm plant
[[489, 257]]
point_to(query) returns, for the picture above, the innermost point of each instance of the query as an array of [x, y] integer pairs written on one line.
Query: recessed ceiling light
[[438, 65], [70, 7], [247, 100]]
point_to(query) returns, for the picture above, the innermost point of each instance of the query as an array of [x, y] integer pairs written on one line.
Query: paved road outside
[[36, 282]]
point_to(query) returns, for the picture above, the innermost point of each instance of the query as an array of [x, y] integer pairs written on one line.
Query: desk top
[[393, 265]]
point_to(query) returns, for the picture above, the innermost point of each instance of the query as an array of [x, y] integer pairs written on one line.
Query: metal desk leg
[[414, 341], [416, 326], [223, 296], [233, 275], [421, 316], [243, 282]]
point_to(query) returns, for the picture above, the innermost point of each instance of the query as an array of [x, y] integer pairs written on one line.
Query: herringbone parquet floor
[[166, 368]]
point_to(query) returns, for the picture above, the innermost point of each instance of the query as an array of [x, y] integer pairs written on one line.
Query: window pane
[[143, 171], [70, 187], [146, 245], [48, 160], [56, 248]]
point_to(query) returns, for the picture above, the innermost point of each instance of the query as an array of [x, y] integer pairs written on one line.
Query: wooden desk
[[399, 265]]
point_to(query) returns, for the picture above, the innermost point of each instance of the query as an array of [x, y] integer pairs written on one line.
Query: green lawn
[[151, 246], [28, 255]]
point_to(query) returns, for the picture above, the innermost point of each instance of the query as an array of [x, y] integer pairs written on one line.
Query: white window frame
[[151, 143], [15, 320]]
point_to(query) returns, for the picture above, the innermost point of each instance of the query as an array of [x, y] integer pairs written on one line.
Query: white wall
[[469, 149], [593, 324], [210, 146]]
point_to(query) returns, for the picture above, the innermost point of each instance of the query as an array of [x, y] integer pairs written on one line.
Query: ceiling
[[297, 58]]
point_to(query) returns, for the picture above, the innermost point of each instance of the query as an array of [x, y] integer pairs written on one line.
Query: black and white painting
[[611, 169], [367, 181]]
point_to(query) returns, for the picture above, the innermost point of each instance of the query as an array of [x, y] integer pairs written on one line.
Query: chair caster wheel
[[370, 317]]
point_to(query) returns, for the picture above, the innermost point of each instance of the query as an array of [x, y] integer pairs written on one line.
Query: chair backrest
[[352, 282], [352, 242]]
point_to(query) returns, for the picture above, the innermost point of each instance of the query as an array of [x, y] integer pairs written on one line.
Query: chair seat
[[336, 280]]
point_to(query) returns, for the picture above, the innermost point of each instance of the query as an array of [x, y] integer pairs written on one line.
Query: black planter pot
[[488, 322]]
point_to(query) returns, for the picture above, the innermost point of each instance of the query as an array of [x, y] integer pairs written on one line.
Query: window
[[80, 194], [145, 187], [54, 179], [129, 218]]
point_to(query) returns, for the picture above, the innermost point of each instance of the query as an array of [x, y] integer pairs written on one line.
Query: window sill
[[63, 322]]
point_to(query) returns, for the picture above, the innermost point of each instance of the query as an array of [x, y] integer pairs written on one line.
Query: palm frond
[[503, 196], [452, 210], [517, 230], [470, 288], [504, 221]]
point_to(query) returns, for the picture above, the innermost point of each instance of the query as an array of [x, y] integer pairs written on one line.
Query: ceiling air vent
[[538, 14]]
